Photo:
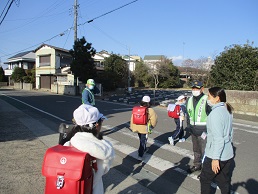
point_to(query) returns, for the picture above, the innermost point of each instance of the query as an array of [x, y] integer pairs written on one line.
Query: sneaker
[[194, 169], [171, 141], [182, 140], [199, 176]]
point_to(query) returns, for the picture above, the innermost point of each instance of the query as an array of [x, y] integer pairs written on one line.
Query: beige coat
[[153, 119]]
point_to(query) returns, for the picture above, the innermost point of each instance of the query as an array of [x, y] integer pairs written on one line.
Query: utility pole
[[75, 19], [75, 38], [129, 76]]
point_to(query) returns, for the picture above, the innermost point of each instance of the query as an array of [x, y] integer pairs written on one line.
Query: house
[[131, 61], [99, 59], [25, 60], [150, 60], [52, 66]]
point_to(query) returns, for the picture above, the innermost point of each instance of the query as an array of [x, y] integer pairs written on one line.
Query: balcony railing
[[8, 71]]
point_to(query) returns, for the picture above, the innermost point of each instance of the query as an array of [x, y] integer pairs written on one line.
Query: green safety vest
[[198, 115], [92, 97]]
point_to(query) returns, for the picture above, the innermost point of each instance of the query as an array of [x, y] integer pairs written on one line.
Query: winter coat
[[152, 119], [102, 150], [219, 133]]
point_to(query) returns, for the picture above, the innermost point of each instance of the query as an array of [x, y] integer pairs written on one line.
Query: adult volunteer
[[88, 93], [197, 112]]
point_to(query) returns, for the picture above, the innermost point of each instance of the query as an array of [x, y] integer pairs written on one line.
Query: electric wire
[[6, 12], [61, 34], [4, 8], [109, 12], [46, 11]]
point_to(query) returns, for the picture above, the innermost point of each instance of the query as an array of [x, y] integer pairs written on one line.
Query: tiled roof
[[54, 47], [20, 54], [153, 57]]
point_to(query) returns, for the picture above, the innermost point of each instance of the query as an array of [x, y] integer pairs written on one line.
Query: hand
[[215, 166]]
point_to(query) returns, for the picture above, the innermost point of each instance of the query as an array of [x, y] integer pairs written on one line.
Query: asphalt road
[[163, 169]]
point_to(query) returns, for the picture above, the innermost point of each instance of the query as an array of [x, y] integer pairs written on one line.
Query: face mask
[[196, 92], [183, 103], [209, 103], [91, 87]]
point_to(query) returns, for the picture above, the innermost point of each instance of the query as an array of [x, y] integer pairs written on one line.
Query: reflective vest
[[91, 97], [198, 115]]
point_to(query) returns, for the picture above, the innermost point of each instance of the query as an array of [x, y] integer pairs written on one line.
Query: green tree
[[141, 75], [115, 72], [165, 74], [18, 74], [169, 75], [236, 68], [82, 64], [2, 76], [30, 77]]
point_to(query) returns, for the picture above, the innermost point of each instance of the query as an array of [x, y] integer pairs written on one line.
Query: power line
[[6, 11], [42, 14], [62, 33], [4, 8], [109, 12]]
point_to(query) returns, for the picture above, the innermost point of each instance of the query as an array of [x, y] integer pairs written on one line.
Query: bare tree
[[164, 72]]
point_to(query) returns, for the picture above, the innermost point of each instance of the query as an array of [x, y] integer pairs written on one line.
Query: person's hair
[[220, 92], [88, 129], [145, 104]]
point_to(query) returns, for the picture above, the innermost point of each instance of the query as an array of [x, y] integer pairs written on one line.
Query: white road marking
[[249, 131], [245, 125], [151, 160], [35, 108], [175, 149]]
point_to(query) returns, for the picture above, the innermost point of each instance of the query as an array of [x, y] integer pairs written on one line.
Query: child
[[179, 132], [144, 130], [88, 138]]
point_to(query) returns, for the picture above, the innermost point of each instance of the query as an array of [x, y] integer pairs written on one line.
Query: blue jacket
[[88, 97], [219, 133]]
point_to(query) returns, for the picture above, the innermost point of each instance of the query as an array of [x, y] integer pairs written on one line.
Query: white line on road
[[249, 131], [35, 108], [245, 125], [175, 149], [151, 160]]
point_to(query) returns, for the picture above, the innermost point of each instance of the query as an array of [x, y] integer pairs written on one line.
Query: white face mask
[[209, 103], [196, 92], [183, 103], [91, 87]]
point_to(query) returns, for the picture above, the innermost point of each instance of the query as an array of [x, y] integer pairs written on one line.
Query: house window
[[65, 61], [97, 63], [44, 60]]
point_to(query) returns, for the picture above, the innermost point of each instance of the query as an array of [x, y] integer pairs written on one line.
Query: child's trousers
[[179, 132]]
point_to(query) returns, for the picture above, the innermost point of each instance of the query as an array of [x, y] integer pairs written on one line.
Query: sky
[[177, 29]]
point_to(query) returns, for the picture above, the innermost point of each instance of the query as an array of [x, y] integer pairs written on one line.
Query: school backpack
[[173, 111], [140, 115], [68, 170]]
